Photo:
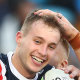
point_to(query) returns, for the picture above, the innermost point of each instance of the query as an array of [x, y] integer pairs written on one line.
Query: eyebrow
[[44, 40], [39, 38], [53, 44]]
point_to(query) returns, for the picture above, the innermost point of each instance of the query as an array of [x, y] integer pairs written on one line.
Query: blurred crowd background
[[13, 12]]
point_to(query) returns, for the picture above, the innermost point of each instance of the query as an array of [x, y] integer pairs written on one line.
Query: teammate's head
[[62, 53]]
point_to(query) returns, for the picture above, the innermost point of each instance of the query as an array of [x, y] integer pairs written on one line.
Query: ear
[[18, 37], [63, 64]]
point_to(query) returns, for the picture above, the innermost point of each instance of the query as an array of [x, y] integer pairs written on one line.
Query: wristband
[[75, 42]]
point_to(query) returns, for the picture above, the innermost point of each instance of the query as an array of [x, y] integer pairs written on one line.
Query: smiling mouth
[[38, 59]]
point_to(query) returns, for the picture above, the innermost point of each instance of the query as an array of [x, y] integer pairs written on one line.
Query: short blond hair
[[65, 44], [31, 18]]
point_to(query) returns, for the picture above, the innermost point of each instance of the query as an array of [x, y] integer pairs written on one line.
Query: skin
[[39, 42], [60, 58], [68, 32], [61, 62], [75, 72]]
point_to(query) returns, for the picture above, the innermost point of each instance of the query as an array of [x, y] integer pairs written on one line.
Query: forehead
[[39, 28]]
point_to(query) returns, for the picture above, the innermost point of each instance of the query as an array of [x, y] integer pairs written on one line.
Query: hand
[[68, 31], [73, 72]]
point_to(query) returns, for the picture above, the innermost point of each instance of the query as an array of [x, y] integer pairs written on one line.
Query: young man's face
[[37, 47]]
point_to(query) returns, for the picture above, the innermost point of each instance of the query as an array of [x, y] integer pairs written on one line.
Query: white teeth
[[37, 59]]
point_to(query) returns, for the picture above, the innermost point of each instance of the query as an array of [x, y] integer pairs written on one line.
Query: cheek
[[54, 60], [30, 46], [51, 55]]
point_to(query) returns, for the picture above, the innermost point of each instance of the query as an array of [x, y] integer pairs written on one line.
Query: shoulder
[[5, 71], [3, 57], [43, 71]]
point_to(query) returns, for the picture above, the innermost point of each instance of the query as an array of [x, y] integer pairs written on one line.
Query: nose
[[43, 50]]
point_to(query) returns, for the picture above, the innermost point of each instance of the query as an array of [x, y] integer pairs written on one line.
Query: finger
[[74, 74], [45, 12], [62, 18], [37, 12], [73, 71], [40, 11], [59, 21], [69, 69], [49, 12], [59, 15]]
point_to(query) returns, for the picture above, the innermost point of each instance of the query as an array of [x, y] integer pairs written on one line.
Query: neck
[[20, 68]]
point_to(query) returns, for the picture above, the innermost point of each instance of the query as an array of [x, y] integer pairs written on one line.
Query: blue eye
[[37, 42], [52, 47]]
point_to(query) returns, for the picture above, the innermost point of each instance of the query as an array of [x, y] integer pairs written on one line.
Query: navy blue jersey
[[10, 76]]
